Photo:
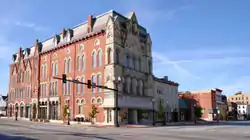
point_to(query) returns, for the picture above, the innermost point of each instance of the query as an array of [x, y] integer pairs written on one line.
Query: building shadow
[[8, 137]]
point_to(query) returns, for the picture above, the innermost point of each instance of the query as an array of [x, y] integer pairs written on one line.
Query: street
[[24, 130]]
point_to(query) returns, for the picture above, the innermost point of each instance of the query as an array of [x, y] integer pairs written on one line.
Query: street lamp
[[117, 83], [218, 113], [68, 116], [167, 112], [153, 106], [194, 113]]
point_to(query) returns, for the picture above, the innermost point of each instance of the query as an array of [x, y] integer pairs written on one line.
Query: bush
[[198, 112]]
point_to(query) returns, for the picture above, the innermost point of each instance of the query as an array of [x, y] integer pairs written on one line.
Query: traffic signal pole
[[93, 85]]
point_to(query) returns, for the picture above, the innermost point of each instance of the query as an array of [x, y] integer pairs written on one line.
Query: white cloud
[[240, 84], [7, 48], [24, 24], [163, 62]]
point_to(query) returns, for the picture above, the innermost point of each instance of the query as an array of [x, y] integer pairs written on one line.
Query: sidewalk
[[76, 124]]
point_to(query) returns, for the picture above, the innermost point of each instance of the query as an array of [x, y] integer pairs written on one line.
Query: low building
[[166, 92], [243, 111], [3, 105], [209, 100], [240, 97]]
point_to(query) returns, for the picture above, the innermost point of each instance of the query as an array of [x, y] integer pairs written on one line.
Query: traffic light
[[64, 78], [89, 84]]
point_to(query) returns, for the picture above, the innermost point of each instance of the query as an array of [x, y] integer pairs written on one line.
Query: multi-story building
[[209, 100], [110, 49], [243, 111], [167, 93], [240, 98], [3, 105]]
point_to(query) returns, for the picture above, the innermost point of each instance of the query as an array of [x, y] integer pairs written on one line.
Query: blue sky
[[200, 44]]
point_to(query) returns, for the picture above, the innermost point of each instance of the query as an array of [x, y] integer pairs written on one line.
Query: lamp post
[[194, 113], [218, 113], [153, 106], [117, 83], [68, 116], [167, 112]]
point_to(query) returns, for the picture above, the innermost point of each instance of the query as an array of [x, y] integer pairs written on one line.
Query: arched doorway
[[27, 110], [34, 108], [53, 110], [16, 109], [21, 109], [43, 110]]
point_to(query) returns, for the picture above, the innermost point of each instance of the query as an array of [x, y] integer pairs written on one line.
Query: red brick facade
[[84, 46]]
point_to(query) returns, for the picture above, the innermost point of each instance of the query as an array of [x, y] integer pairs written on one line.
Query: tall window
[[53, 70], [42, 72], [65, 66], [79, 63], [83, 86], [117, 57], [93, 59], [79, 109], [70, 88], [133, 62], [93, 81], [78, 89], [99, 56], [99, 78], [127, 61], [109, 56], [83, 62], [69, 66], [56, 68], [139, 64], [149, 66]]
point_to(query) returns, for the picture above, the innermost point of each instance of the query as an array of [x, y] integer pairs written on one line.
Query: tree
[[160, 113], [93, 113], [65, 113], [198, 112]]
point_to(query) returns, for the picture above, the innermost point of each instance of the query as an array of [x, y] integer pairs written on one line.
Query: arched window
[[78, 63], [52, 69], [69, 66], [109, 55], [99, 57], [127, 61], [133, 63], [65, 66], [83, 62], [99, 78], [93, 81], [42, 72], [94, 59], [78, 89], [149, 67], [83, 86], [56, 69], [139, 64], [117, 57]]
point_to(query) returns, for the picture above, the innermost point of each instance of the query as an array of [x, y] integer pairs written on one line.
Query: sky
[[201, 44]]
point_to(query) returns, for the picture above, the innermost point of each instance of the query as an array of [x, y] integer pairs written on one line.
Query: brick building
[[209, 100], [240, 98], [101, 49]]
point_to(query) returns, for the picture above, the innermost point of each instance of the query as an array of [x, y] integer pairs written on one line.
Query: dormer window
[[69, 35], [56, 40]]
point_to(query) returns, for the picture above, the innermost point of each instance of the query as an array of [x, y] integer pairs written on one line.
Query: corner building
[[101, 49]]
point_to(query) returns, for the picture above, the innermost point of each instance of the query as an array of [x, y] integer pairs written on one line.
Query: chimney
[[20, 53], [63, 33], [90, 23]]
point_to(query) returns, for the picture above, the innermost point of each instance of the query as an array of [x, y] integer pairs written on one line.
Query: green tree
[[93, 113], [198, 112], [160, 113], [65, 113]]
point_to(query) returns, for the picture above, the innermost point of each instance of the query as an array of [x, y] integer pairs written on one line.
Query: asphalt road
[[22, 130]]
